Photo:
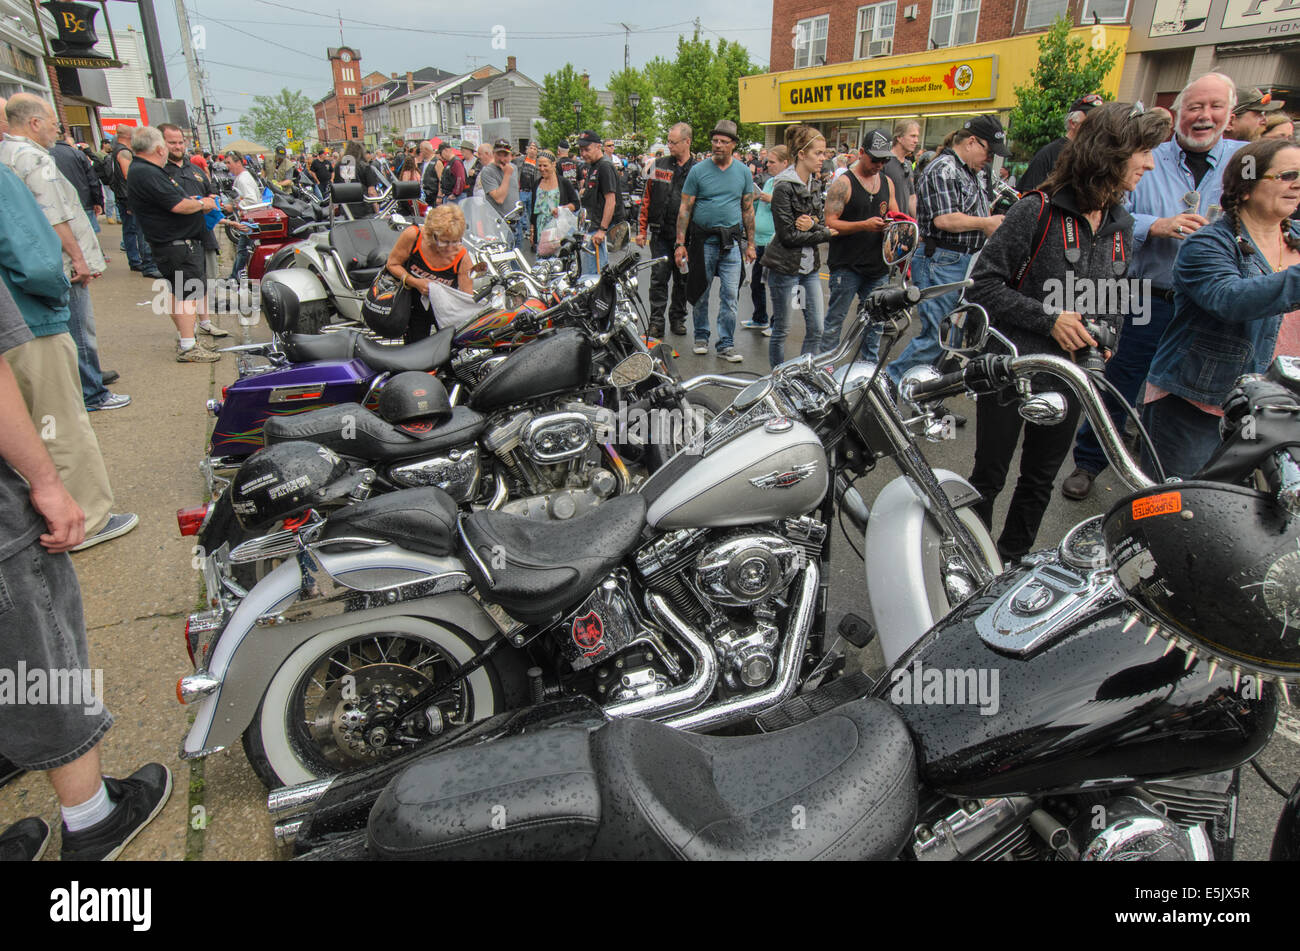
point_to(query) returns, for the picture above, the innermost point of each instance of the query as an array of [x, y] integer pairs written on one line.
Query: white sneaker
[[702, 348], [730, 355]]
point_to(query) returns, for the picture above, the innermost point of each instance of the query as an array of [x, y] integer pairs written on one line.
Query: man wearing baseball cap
[[856, 208], [1044, 160], [599, 198], [953, 211], [500, 183], [1251, 113]]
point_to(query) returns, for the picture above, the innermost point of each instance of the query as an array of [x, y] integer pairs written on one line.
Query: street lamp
[[634, 98], [577, 114]]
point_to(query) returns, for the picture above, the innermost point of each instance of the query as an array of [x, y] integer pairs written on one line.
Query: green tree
[[701, 86], [1067, 69], [621, 85], [271, 117], [559, 122]]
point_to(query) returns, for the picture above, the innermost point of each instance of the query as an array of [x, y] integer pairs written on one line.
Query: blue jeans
[[94, 220], [945, 267], [591, 262], [243, 254], [1184, 436], [110, 203], [1127, 372], [521, 226], [785, 300], [138, 253], [845, 284], [727, 269], [81, 325]]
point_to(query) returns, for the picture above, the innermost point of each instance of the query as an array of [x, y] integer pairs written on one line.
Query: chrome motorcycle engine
[[554, 450], [747, 569]]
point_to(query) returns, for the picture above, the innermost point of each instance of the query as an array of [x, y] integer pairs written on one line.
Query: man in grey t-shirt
[[499, 179], [906, 137]]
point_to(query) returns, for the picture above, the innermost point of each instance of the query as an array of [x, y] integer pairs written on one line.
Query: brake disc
[[353, 701]]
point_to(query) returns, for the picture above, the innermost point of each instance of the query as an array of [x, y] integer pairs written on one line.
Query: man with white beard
[[1170, 202]]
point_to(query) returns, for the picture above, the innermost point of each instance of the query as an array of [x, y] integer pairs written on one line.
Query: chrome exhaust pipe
[[501, 493], [782, 685], [287, 831], [295, 799], [689, 695]]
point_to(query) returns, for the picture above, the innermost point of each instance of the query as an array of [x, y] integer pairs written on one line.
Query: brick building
[[848, 67], [338, 112]]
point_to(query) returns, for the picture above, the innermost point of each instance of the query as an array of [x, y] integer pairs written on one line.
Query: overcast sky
[[254, 47]]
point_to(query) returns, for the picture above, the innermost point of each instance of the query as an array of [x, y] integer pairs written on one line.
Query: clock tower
[[339, 116]]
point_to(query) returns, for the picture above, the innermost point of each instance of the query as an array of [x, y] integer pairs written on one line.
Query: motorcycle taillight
[[191, 519]]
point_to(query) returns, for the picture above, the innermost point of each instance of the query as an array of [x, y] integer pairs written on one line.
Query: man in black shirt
[[322, 171], [172, 222], [183, 172], [599, 199], [566, 164], [658, 224], [1044, 160], [137, 248], [353, 167]]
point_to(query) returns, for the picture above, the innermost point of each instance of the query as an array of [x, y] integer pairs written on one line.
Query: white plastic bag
[[565, 223], [451, 306]]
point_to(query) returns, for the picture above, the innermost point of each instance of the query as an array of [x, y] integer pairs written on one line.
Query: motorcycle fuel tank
[[777, 469], [1093, 706], [551, 365], [247, 403]]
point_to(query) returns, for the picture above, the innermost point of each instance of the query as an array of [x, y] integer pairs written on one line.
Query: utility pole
[[697, 29], [627, 39], [191, 63]]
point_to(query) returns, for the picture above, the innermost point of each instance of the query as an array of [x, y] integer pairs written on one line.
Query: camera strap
[[1069, 241]]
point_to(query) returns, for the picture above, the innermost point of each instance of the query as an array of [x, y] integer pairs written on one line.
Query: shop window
[[1107, 11], [810, 41], [875, 30], [1041, 13], [954, 22]]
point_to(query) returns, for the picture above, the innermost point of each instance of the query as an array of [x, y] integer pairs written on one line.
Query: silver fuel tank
[[774, 470]]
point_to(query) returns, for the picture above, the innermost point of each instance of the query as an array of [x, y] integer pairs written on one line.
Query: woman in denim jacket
[[1236, 305]]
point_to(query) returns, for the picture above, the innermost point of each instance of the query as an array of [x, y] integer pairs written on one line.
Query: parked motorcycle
[[694, 599], [1094, 703]]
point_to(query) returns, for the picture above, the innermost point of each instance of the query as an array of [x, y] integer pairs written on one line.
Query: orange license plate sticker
[[1163, 504]]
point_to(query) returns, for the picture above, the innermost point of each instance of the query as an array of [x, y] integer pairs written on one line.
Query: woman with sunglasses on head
[[1236, 305], [427, 253], [1054, 243]]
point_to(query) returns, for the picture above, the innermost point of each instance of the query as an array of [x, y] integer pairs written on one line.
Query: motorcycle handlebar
[[947, 385]]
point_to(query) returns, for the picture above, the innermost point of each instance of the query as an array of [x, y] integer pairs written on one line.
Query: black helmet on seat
[[283, 480], [414, 395]]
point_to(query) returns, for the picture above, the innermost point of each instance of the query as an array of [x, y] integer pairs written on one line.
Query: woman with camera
[[1038, 277]]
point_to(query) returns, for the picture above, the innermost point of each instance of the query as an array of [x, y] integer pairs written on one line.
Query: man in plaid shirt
[[952, 209]]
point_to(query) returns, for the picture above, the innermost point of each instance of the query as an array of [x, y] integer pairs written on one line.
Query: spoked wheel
[[315, 712]]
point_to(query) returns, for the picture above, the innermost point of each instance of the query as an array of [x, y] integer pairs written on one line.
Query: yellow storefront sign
[[962, 80]]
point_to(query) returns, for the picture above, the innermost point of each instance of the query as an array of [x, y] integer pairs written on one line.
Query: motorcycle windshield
[[483, 223]]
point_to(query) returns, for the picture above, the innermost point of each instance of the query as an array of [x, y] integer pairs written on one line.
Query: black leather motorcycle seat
[[308, 348], [418, 519], [540, 787], [363, 245], [431, 353], [352, 430], [549, 565], [637, 790], [848, 777]]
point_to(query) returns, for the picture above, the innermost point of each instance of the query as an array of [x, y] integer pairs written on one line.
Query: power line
[[230, 26]]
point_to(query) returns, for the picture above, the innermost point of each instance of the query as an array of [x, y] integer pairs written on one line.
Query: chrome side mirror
[[617, 237], [1045, 409], [964, 331], [632, 370], [900, 242]]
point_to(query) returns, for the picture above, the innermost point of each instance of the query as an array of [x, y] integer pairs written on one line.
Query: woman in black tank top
[[427, 253]]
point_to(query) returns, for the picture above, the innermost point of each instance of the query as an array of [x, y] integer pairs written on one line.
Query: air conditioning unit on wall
[[911, 13]]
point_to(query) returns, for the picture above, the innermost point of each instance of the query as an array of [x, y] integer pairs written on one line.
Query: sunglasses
[[1288, 177], [1137, 110]]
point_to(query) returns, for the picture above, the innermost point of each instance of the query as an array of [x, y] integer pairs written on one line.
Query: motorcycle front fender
[[247, 655], [903, 560]]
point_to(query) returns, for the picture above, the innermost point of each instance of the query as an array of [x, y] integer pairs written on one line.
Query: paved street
[[138, 589]]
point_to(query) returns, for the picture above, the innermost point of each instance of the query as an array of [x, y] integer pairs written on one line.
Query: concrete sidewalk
[[138, 589]]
